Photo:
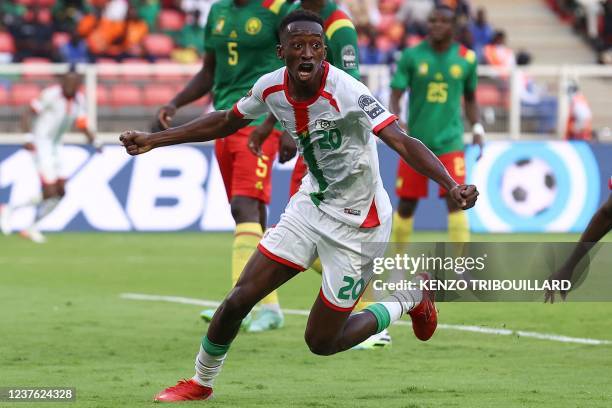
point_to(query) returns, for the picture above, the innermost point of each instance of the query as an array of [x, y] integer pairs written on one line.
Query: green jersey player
[[240, 46], [438, 73]]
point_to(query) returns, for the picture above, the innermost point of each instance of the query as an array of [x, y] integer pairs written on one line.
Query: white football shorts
[[304, 233]]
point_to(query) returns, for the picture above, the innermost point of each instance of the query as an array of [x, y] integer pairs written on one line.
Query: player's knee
[[319, 345], [406, 208], [245, 209]]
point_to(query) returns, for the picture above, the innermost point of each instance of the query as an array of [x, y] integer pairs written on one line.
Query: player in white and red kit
[[340, 205], [57, 109]]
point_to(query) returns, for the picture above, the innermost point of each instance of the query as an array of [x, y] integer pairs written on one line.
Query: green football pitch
[[64, 323]]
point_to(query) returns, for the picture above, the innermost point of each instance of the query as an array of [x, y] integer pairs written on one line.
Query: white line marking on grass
[[473, 329]]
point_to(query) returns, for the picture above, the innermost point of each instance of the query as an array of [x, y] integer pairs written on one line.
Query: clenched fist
[[464, 195], [135, 142]]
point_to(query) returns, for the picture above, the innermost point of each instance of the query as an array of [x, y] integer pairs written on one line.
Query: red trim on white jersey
[[278, 259], [332, 306], [312, 100], [331, 100], [371, 220], [384, 124], [237, 112], [270, 90]]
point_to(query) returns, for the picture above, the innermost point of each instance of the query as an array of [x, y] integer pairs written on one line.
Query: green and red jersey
[[243, 40], [340, 38], [436, 81]]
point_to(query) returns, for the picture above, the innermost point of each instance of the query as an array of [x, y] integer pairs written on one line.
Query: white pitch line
[[297, 312]]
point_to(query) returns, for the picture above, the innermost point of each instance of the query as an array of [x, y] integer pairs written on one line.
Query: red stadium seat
[[4, 96], [6, 43], [102, 95], [125, 95], [158, 45], [139, 74], [59, 39], [171, 20], [488, 95], [157, 95], [46, 3], [27, 3], [110, 69], [22, 94], [45, 75]]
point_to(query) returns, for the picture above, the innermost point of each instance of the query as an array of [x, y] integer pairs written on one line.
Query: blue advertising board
[[525, 187]]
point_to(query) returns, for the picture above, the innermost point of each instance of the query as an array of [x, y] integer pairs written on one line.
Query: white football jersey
[[56, 114], [333, 132]]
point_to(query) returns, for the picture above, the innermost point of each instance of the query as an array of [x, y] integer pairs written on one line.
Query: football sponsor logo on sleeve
[[370, 106], [349, 57]]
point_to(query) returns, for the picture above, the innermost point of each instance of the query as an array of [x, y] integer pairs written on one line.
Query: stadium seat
[[108, 68], [46, 3], [488, 95], [123, 95], [22, 94], [171, 20], [6, 43], [140, 74], [27, 3], [102, 95], [59, 39], [45, 75], [157, 95], [4, 96], [158, 45]]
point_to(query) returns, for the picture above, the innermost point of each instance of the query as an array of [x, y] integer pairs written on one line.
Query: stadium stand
[[170, 33]]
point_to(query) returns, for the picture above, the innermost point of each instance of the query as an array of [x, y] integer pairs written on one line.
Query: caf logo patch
[[423, 68], [456, 71], [253, 26], [349, 57], [370, 106]]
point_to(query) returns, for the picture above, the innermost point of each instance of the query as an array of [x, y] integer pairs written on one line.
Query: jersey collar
[[315, 97]]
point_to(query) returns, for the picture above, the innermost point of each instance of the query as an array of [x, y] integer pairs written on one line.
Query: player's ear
[[279, 51]]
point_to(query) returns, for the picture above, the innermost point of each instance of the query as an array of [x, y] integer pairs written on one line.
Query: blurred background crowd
[[101, 30]]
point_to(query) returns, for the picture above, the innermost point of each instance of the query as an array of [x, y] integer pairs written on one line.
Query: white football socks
[[207, 367]]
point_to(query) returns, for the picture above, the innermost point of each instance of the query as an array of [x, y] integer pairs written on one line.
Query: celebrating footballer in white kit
[[57, 109], [340, 205]]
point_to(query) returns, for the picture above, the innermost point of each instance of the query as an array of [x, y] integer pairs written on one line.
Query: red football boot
[[184, 390], [424, 315]]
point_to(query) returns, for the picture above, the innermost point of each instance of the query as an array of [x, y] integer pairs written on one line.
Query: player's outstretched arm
[[419, 157], [214, 125], [598, 227]]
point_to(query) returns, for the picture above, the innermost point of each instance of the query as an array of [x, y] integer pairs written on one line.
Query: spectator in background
[[103, 25], [202, 6], [129, 42], [148, 10], [580, 120], [11, 12], [363, 12], [414, 14], [536, 102], [192, 34], [498, 54], [32, 35], [376, 49], [482, 32], [75, 50], [67, 13]]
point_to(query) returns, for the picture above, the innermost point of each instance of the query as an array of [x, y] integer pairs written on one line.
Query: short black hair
[[446, 9], [299, 15]]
